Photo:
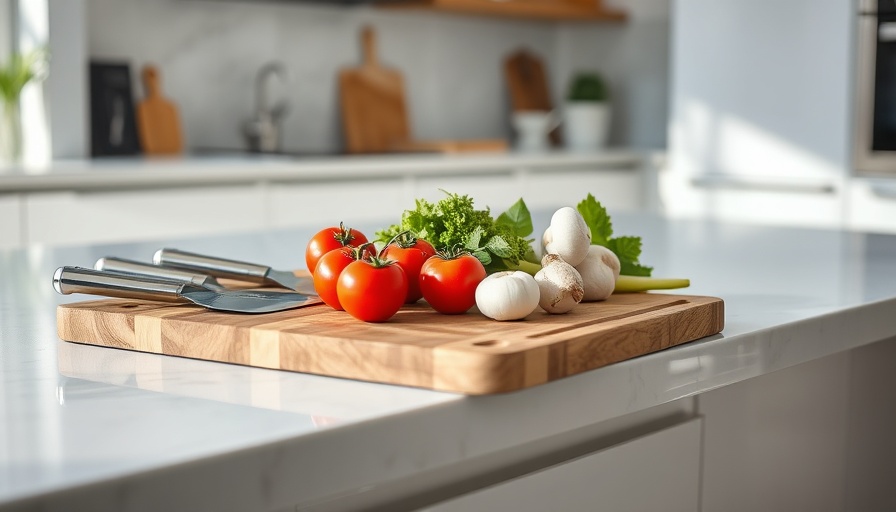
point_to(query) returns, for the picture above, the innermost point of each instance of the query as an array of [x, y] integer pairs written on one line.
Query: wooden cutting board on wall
[[418, 347], [158, 122], [374, 112], [528, 85]]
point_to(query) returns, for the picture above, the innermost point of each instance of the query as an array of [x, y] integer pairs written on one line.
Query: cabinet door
[[60, 218], [496, 190], [10, 222], [615, 189], [872, 206], [795, 202], [778, 441], [327, 204], [659, 471]]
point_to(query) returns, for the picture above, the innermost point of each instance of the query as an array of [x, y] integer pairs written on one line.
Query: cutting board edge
[[478, 370]]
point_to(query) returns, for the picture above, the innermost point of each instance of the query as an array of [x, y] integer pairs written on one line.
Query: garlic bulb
[[509, 295]]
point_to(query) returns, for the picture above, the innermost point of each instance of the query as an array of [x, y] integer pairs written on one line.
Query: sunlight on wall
[[34, 34]]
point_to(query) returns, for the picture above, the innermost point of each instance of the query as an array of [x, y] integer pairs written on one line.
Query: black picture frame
[[113, 128]]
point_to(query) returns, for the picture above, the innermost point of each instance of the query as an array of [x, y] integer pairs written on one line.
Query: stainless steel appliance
[[875, 134]]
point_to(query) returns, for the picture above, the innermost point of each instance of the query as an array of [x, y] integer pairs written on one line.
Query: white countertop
[[116, 173], [129, 431]]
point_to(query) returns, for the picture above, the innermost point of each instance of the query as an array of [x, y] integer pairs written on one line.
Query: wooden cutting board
[[157, 119], [528, 85], [374, 113], [418, 347]]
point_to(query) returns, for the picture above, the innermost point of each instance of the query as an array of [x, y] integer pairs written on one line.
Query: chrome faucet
[[263, 133]]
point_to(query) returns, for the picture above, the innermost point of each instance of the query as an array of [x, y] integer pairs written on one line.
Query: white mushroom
[[568, 236], [599, 271], [509, 295], [560, 285]]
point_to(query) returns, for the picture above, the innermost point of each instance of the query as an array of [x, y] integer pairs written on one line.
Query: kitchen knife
[[67, 280], [124, 266], [220, 267]]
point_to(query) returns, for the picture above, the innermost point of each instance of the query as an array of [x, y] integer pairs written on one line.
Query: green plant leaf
[[627, 248], [628, 268], [483, 256], [597, 219], [473, 240], [499, 247], [517, 218]]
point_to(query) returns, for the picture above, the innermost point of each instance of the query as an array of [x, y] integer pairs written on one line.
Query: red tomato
[[332, 238], [410, 253], [372, 291], [449, 283], [326, 274]]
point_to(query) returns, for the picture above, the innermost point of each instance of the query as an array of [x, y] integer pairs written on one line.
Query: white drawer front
[[616, 190], [327, 204], [809, 204], [10, 222], [659, 471], [61, 218], [872, 206]]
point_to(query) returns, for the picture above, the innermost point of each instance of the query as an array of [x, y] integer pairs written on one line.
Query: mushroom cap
[[568, 236], [560, 285], [599, 271]]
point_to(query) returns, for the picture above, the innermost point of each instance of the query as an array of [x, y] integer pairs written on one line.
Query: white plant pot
[[586, 125]]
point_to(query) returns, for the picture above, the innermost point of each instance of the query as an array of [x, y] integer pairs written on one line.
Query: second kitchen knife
[[233, 269]]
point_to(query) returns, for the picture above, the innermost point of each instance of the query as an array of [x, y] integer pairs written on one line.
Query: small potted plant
[[587, 113]]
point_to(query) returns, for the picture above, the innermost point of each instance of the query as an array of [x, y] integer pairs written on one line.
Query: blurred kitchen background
[[747, 110]]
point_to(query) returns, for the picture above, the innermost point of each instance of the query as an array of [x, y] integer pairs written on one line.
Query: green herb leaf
[[597, 219], [517, 218], [473, 240], [483, 256], [499, 247], [628, 268], [627, 248]]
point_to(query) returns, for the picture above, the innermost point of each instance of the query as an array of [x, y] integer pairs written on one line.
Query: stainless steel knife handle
[[67, 280], [121, 265], [218, 267]]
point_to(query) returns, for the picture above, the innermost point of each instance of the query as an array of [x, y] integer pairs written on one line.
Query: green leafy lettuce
[[500, 244], [627, 248]]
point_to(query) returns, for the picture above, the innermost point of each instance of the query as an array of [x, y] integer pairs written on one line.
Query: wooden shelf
[[556, 10]]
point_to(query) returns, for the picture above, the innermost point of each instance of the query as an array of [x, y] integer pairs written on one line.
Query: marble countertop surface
[[116, 173], [128, 431]]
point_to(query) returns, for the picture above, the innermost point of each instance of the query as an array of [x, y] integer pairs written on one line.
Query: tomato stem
[[401, 240], [452, 253], [344, 236], [360, 252]]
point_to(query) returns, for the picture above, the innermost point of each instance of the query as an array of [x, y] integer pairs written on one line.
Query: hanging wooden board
[[528, 85], [418, 347], [374, 111], [157, 119]]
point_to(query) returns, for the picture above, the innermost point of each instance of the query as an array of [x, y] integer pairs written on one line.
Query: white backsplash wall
[[208, 53], [634, 59]]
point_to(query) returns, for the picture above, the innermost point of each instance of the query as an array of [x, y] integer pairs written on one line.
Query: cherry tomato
[[328, 239], [410, 253], [373, 290], [449, 281], [326, 274]]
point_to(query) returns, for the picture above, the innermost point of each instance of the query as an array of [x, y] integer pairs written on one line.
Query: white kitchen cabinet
[[496, 190], [792, 202], [658, 471], [778, 442], [59, 218], [10, 222], [622, 189], [872, 205], [760, 106], [328, 203]]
